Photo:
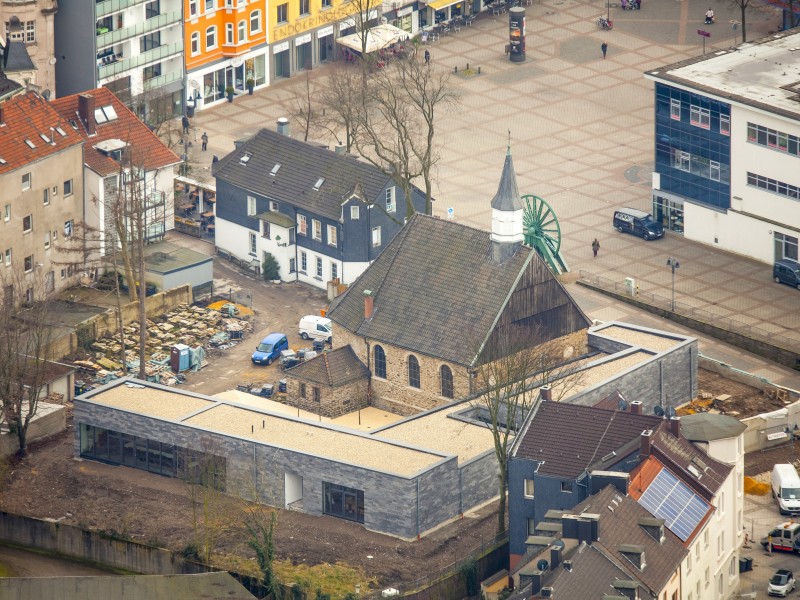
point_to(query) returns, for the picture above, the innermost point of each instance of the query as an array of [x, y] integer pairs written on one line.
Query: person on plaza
[[204, 139], [709, 16], [604, 49], [595, 247], [185, 123], [427, 56]]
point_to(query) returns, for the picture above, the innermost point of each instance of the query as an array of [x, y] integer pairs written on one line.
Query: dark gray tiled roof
[[335, 368], [302, 165], [507, 197], [7, 86], [16, 58], [437, 291], [569, 437], [619, 526]]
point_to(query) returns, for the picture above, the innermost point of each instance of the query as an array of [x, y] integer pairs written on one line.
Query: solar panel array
[[670, 499]]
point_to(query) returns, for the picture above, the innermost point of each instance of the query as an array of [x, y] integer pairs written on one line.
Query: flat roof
[[764, 73], [309, 438], [642, 339], [436, 431], [597, 374], [150, 401], [163, 257]]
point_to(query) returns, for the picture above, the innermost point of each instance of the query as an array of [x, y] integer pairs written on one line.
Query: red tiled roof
[[147, 150], [24, 118]]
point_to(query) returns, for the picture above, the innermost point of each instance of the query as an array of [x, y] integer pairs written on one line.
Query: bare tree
[[342, 99], [397, 120], [742, 5], [302, 109], [25, 348], [510, 369]]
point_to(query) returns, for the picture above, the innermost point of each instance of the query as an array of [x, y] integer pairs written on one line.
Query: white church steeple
[[507, 227]]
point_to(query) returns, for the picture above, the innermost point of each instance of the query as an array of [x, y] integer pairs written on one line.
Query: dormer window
[[275, 169], [635, 554]]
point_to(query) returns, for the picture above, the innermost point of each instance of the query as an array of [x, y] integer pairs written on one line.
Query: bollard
[[455, 69], [467, 66], [479, 70]]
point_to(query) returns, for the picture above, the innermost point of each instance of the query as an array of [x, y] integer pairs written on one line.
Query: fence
[[785, 348]]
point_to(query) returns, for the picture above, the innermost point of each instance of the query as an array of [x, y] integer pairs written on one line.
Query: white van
[[316, 328], [786, 489]]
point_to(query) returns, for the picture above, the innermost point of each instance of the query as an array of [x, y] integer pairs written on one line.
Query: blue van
[[787, 271], [637, 222], [270, 348]]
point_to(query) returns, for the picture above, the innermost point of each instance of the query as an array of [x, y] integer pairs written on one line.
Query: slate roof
[[568, 438], [592, 575], [619, 526], [8, 86], [678, 454], [302, 166], [25, 117], [16, 58], [335, 368], [147, 150], [507, 197], [705, 427]]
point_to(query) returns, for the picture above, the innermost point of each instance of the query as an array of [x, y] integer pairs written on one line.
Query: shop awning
[[208, 186], [440, 4], [378, 38]]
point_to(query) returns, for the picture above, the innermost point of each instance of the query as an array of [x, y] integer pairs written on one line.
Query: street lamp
[[673, 262], [608, 10]]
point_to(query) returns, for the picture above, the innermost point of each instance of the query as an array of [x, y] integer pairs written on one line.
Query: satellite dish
[[46, 94], [658, 411], [558, 544], [194, 84], [542, 565], [671, 412], [52, 60], [623, 404]]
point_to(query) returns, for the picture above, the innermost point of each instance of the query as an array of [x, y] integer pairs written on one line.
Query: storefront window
[[669, 213]]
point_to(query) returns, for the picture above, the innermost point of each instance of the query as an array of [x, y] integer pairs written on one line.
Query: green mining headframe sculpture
[[542, 232]]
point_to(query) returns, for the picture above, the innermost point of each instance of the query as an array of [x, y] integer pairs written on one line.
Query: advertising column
[[516, 34]]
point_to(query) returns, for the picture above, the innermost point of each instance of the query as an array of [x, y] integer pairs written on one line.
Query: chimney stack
[[644, 446], [369, 304], [86, 112], [2, 116], [636, 407], [283, 126], [546, 392], [675, 426], [555, 557]]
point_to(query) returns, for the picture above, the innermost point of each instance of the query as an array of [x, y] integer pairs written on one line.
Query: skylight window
[[100, 116], [319, 183], [61, 132], [2, 160], [275, 169], [45, 138], [246, 158], [74, 124], [109, 112], [30, 144]]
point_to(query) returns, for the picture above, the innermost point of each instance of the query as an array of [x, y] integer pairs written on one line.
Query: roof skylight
[[319, 183], [245, 158], [61, 132], [30, 144], [275, 169]]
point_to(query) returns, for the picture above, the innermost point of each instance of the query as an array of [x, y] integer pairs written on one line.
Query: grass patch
[[336, 580]]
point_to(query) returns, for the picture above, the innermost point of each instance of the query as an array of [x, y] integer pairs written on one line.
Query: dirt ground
[[745, 400]]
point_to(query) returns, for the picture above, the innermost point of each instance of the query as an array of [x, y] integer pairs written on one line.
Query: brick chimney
[[636, 407], [369, 304], [86, 112], [546, 392], [2, 116], [644, 446], [675, 426]]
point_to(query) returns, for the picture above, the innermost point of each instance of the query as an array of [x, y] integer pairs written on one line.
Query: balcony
[[119, 35], [106, 7], [162, 80], [156, 54]]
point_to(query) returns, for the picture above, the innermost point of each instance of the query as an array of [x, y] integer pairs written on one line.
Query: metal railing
[[118, 35], [161, 80], [115, 68], [694, 312], [109, 6]]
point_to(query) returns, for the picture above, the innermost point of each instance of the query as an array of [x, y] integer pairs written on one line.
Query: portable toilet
[[179, 358]]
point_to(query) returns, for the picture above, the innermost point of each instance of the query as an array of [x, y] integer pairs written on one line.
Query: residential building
[[123, 159], [423, 332], [136, 52], [324, 216], [225, 45], [727, 148], [31, 24], [41, 175]]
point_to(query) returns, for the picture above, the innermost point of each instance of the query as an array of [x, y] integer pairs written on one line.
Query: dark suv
[[787, 271]]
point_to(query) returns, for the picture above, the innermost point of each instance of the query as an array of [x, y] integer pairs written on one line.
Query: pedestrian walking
[[204, 139], [185, 122], [427, 56], [604, 49], [595, 247]]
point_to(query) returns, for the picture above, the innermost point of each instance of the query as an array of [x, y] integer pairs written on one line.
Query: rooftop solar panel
[[670, 499]]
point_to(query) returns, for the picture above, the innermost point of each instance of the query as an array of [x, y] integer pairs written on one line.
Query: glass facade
[[693, 150], [343, 502], [203, 468]]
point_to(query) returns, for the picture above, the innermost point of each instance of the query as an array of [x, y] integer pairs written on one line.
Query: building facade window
[[211, 38], [700, 117], [46, 240], [68, 226], [675, 109], [332, 235], [265, 233], [725, 124], [7, 213], [317, 395], [376, 237], [253, 243], [354, 213], [302, 225], [192, 8], [27, 181], [283, 13], [528, 488], [27, 223], [786, 190], [304, 7], [343, 502], [319, 267], [8, 257], [316, 230], [68, 188], [242, 31], [334, 270], [380, 362], [255, 21], [326, 4], [771, 138], [251, 206], [566, 486], [390, 205], [786, 246], [413, 372], [195, 44], [303, 262], [229, 34], [46, 196], [446, 379], [28, 263], [302, 390]]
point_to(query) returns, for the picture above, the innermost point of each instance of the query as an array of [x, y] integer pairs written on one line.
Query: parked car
[[781, 583], [316, 328], [637, 222], [787, 271], [270, 348]]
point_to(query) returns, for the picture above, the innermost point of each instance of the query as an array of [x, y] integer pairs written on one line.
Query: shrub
[[270, 268]]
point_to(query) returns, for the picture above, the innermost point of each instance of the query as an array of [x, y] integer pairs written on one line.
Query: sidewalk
[[581, 137]]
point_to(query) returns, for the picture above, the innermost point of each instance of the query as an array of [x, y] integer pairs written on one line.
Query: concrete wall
[[49, 420]]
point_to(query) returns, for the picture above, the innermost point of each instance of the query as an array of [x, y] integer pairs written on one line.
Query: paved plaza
[[581, 136]]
